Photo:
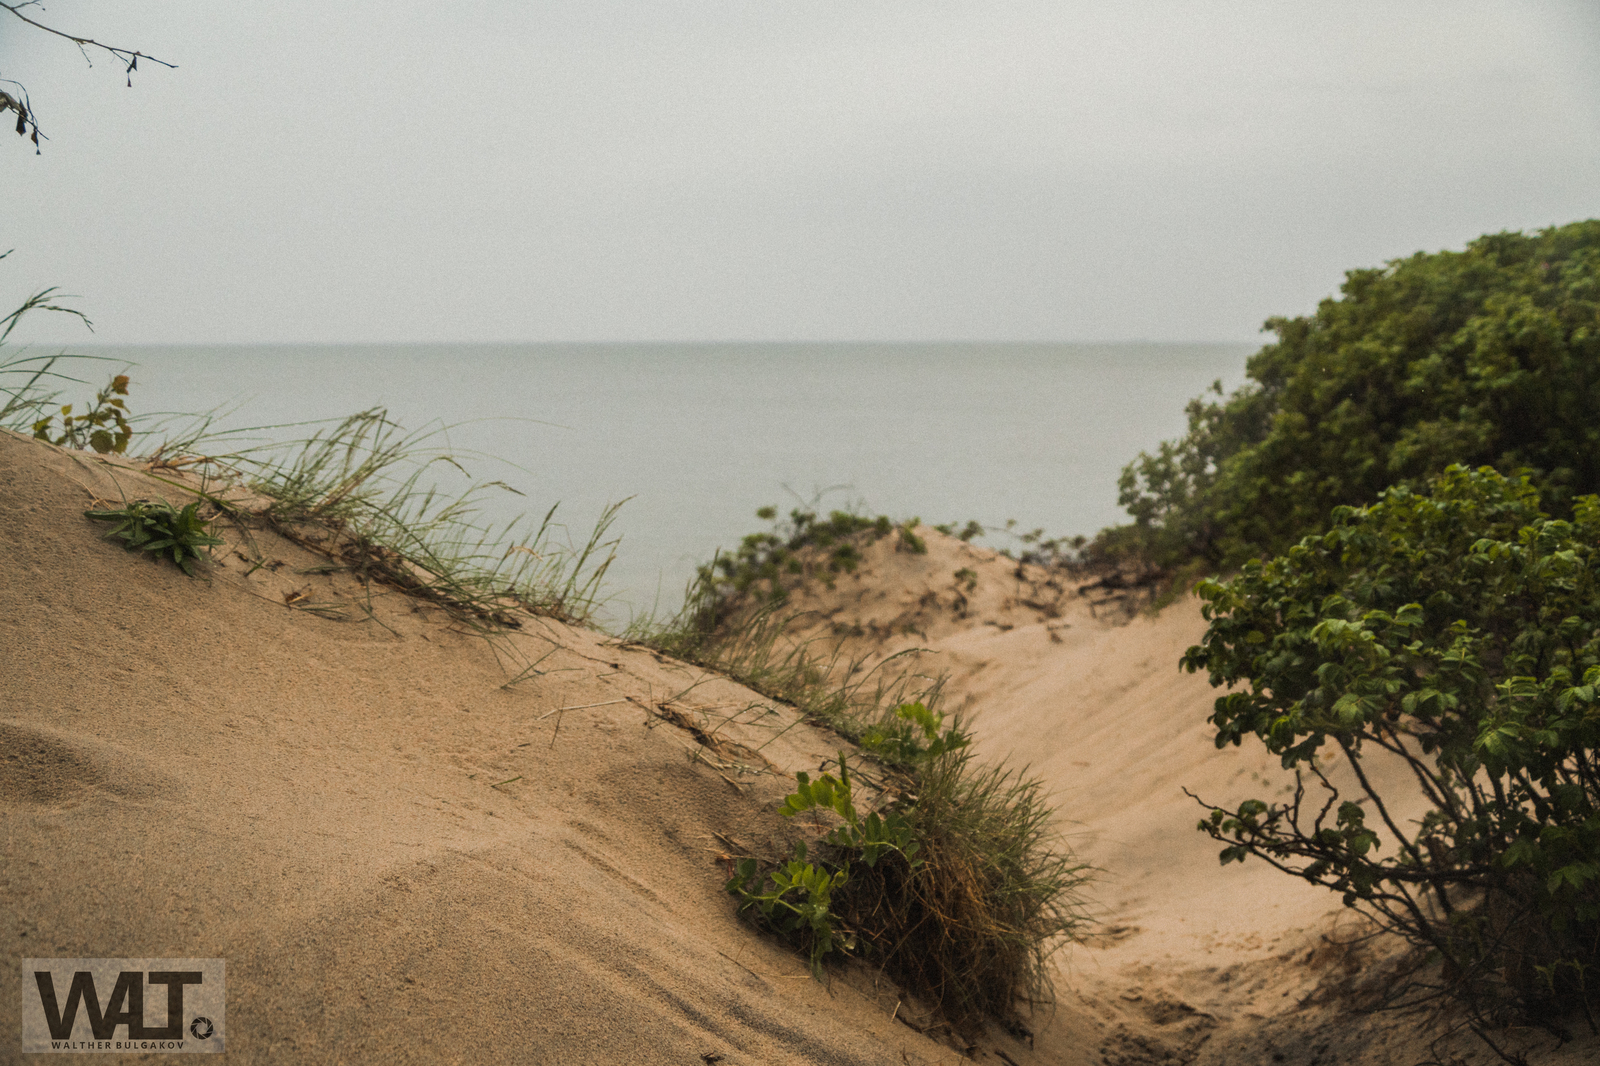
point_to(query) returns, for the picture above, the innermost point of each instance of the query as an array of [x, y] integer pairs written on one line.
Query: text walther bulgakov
[[177, 1006]]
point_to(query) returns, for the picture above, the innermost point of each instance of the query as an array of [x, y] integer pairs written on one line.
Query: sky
[[786, 170]]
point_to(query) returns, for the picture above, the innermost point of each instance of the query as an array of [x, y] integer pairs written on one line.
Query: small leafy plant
[[797, 903], [800, 897], [871, 836], [103, 427], [157, 526], [912, 736], [909, 541]]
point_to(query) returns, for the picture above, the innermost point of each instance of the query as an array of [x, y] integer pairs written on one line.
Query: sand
[[409, 847]]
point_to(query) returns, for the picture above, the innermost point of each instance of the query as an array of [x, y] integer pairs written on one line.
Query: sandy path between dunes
[[1192, 962], [404, 858]]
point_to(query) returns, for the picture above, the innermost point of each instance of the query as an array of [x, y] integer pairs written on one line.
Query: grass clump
[[753, 647], [365, 491], [734, 621], [971, 929], [26, 398], [954, 887], [954, 883]]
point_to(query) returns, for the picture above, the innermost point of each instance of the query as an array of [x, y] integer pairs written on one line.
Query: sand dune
[[399, 858], [405, 855]]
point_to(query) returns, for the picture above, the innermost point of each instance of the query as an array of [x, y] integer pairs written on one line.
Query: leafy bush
[[1458, 632], [956, 888], [765, 561], [758, 576], [1489, 356]]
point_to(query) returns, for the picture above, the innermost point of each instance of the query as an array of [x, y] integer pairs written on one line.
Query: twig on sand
[[758, 973], [578, 707]]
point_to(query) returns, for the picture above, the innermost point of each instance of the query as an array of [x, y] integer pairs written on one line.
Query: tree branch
[[126, 55], [19, 101]]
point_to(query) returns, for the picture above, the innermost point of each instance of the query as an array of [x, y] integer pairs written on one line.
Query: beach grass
[[28, 383], [367, 491], [363, 490], [973, 927]]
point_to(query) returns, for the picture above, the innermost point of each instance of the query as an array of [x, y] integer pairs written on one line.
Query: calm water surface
[[699, 436]]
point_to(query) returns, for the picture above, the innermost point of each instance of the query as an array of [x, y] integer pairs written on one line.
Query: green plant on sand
[[957, 884], [157, 526]]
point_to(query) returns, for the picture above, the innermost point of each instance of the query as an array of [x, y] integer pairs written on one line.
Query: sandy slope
[[402, 857], [195, 768]]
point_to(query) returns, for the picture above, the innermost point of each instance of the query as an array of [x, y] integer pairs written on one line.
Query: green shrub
[[1458, 632], [1490, 356], [760, 573], [767, 563]]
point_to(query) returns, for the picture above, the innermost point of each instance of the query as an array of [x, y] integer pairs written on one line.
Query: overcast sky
[[390, 170]]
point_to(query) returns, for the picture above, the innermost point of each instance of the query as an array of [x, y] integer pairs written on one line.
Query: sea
[[696, 437]]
